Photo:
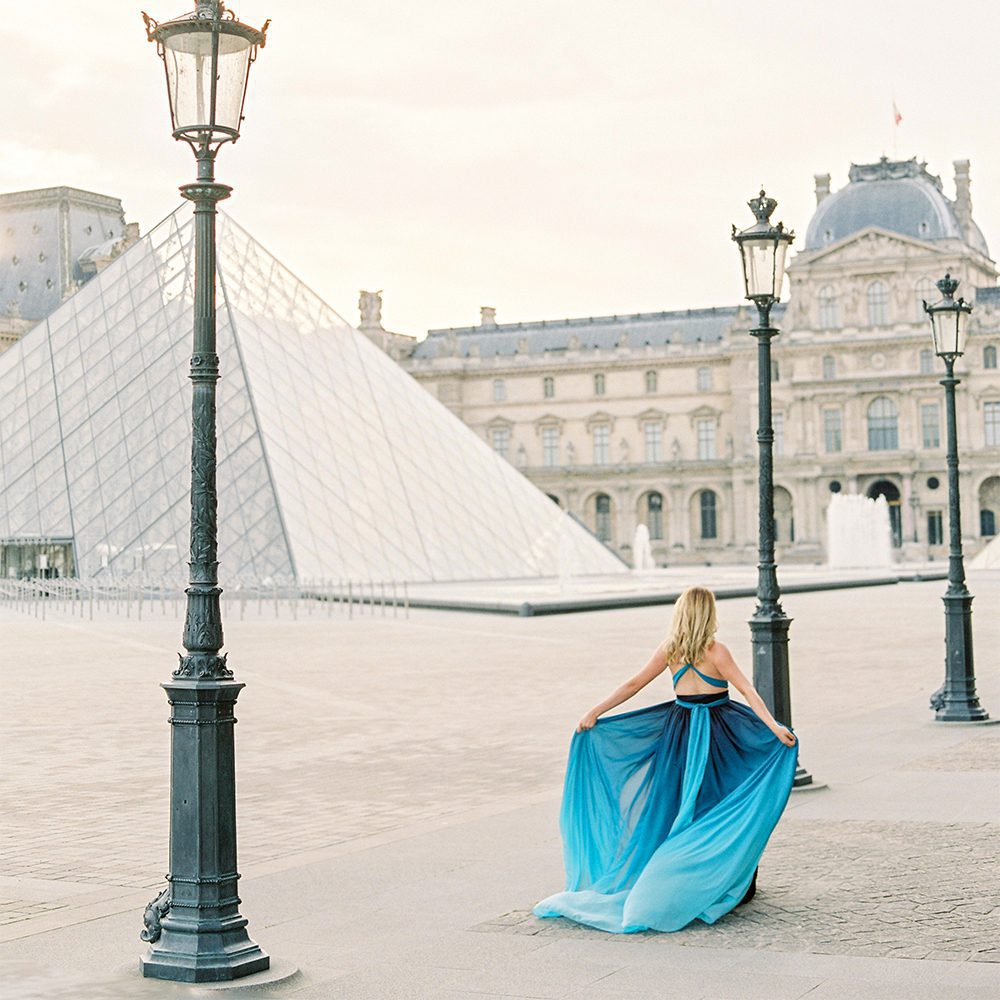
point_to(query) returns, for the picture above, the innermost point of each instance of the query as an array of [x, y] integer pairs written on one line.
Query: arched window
[[926, 362], [829, 314], [829, 367], [924, 291], [602, 522], [651, 381], [548, 387], [707, 514], [878, 303], [654, 515], [883, 425], [989, 504], [989, 356], [784, 515]]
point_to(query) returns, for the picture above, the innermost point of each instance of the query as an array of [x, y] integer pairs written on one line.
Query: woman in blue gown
[[666, 810]]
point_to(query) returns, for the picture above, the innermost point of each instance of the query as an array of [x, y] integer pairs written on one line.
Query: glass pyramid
[[333, 462]]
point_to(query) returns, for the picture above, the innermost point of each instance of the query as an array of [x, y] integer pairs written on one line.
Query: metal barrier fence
[[136, 598]]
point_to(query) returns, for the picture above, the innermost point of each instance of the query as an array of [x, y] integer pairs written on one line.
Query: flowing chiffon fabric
[[666, 812]]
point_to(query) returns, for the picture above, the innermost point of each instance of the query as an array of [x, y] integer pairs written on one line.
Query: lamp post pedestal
[[956, 700], [202, 936]]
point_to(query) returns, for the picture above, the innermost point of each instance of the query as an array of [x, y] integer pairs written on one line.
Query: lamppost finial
[[762, 206], [947, 286]]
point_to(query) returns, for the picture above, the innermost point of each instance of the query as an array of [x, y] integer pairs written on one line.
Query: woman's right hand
[[587, 722], [786, 736]]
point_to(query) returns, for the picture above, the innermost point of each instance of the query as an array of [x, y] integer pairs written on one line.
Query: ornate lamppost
[[956, 700], [194, 927], [762, 250]]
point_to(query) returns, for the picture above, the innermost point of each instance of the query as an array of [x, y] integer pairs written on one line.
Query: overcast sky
[[551, 158]]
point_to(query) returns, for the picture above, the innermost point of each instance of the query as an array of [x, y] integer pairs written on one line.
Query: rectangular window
[[706, 438], [930, 423], [598, 385], [500, 440], [548, 387], [829, 367], [704, 379], [602, 444], [926, 363], [550, 446], [991, 419], [499, 390], [831, 431], [935, 527], [778, 425], [653, 438]]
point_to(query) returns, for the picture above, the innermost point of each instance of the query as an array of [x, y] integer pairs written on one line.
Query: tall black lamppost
[[763, 248], [956, 700], [195, 928]]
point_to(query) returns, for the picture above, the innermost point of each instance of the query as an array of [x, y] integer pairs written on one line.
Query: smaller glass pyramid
[[333, 462]]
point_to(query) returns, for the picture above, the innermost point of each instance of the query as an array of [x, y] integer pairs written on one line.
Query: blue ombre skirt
[[666, 812]]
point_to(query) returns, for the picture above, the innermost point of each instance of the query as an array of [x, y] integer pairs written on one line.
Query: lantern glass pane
[[779, 267], [188, 57], [936, 322], [759, 261], [961, 328]]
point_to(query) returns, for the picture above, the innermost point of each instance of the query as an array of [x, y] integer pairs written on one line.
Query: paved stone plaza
[[398, 787]]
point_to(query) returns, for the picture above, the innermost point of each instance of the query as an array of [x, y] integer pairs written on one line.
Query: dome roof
[[899, 196]]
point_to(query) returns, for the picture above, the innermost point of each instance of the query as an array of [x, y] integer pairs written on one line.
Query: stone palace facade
[[651, 418]]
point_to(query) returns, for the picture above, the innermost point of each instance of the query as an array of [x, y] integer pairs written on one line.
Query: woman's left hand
[[786, 736], [587, 722]]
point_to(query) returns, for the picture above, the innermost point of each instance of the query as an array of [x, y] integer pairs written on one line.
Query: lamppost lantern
[[949, 320], [207, 57], [763, 248]]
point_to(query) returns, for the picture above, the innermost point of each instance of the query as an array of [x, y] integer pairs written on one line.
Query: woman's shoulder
[[716, 649]]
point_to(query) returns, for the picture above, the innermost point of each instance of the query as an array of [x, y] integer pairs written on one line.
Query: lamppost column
[[195, 928], [769, 624], [956, 701]]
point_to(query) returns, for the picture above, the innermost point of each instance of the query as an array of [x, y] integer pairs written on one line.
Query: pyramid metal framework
[[333, 462]]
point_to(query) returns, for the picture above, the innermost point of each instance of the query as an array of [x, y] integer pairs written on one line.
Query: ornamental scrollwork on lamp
[[203, 666], [152, 919]]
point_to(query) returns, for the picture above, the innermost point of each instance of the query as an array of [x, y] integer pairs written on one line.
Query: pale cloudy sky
[[550, 158]]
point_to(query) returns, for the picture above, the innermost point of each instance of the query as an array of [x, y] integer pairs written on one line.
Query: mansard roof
[[657, 329]]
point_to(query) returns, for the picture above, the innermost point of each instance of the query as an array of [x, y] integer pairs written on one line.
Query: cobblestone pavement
[[890, 890], [349, 729]]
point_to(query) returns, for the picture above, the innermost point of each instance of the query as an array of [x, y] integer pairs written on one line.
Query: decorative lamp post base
[[956, 700], [218, 967], [769, 636], [195, 929]]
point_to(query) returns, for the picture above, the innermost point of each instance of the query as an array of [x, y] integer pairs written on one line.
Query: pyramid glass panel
[[333, 462]]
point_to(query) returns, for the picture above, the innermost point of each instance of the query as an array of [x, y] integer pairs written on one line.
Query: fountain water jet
[[859, 535]]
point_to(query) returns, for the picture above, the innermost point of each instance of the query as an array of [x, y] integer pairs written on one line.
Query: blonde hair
[[693, 627]]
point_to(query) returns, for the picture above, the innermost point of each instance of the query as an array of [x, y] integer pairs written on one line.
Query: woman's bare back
[[691, 683]]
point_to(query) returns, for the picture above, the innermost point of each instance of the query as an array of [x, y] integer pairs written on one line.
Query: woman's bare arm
[[655, 666], [720, 658]]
